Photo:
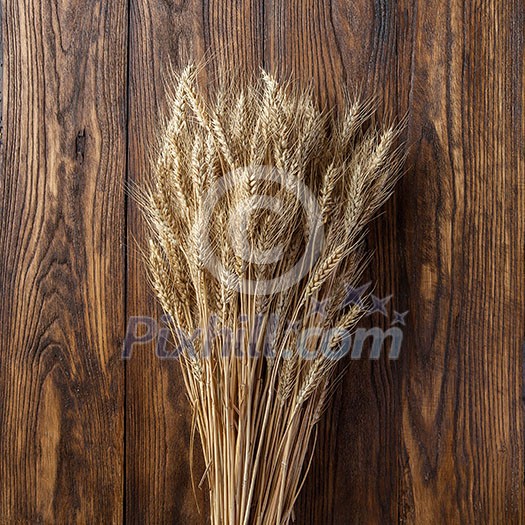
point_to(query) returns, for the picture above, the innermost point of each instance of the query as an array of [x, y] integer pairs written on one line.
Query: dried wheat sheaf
[[257, 211]]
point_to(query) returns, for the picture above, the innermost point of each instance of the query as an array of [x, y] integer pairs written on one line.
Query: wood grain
[[61, 277], [158, 483], [166, 35], [355, 469], [436, 437], [463, 244]]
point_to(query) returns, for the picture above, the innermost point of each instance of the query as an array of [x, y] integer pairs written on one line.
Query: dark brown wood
[[158, 422], [164, 37], [355, 469], [62, 272], [460, 218], [436, 437]]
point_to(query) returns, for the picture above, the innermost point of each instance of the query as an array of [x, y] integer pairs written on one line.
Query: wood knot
[[80, 145]]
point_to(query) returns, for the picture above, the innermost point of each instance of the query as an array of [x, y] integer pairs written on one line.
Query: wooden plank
[[62, 272], [338, 46], [461, 209], [158, 420], [158, 485]]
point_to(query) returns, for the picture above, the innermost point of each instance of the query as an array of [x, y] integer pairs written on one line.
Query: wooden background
[[436, 437]]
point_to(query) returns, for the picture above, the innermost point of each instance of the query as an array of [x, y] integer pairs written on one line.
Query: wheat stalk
[[257, 209]]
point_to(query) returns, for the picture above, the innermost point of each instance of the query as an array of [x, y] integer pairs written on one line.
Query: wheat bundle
[[257, 212]]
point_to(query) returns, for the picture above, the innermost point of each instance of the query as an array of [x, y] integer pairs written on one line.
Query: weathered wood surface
[[436, 437], [62, 261]]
